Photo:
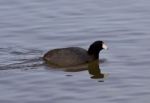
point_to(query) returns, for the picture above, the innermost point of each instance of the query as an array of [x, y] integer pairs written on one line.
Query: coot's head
[[95, 48]]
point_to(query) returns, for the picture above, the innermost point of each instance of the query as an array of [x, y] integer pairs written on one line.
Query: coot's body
[[67, 56], [72, 56]]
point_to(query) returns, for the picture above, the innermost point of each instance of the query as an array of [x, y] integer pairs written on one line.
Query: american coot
[[73, 56]]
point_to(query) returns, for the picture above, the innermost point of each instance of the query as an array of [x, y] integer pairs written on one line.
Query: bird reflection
[[94, 70], [92, 67]]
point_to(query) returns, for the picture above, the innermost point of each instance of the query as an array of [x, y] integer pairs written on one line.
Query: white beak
[[104, 46]]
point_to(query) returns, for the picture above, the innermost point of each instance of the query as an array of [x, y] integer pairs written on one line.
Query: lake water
[[29, 28]]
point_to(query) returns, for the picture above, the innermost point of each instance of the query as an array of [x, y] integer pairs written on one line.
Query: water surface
[[29, 28]]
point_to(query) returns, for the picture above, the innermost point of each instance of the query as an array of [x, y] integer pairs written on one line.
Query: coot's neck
[[94, 52]]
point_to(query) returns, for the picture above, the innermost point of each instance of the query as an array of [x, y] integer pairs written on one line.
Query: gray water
[[29, 28]]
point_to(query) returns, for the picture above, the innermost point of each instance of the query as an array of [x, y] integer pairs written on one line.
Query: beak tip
[[105, 46]]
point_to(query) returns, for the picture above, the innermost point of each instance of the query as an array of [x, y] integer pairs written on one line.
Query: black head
[[95, 48]]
